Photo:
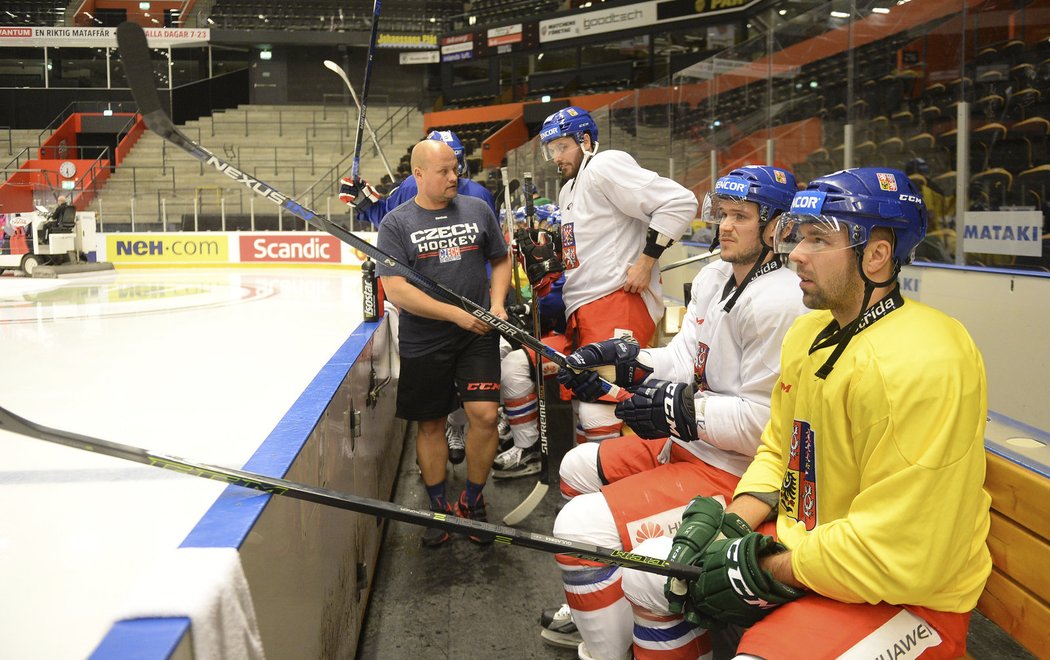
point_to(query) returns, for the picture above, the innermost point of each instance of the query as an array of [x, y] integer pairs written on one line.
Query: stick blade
[[138, 67], [527, 506]]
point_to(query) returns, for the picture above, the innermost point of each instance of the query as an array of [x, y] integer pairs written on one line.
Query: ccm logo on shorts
[[482, 386]]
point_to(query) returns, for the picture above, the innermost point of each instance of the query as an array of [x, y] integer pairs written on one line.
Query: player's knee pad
[[588, 519], [643, 589], [515, 375], [597, 415], [579, 469]]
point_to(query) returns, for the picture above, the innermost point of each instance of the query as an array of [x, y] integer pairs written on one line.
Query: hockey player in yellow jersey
[[872, 463]]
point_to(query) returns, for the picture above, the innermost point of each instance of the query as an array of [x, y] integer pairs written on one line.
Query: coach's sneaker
[[432, 536], [516, 462], [558, 628], [476, 512], [457, 446]]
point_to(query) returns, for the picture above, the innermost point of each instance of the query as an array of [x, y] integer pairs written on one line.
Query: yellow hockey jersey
[[881, 466]]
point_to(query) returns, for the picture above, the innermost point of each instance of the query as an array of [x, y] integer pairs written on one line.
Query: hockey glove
[[628, 367], [357, 193], [733, 589], [540, 260], [703, 521], [660, 409]]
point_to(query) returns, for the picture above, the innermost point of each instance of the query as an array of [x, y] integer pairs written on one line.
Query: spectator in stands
[[62, 219], [616, 220], [876, 436], [444, 349], [366, 201], [729, 351]]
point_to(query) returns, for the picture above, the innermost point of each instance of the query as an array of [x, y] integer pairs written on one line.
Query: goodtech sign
[[290, 249], [630, 17]]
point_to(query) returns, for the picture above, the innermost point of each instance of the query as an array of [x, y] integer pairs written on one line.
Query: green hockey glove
[[733, 589], [702, 522]]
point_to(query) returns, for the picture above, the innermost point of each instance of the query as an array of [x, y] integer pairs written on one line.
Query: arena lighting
[[783, 12], [143, 5], [839, 14], [880, 10], [265, 54], [545, 98]]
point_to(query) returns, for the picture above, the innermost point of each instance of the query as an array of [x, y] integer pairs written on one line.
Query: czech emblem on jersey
[[887, 181], [798, 493], [700, 366], [448, 254], [568, 247]]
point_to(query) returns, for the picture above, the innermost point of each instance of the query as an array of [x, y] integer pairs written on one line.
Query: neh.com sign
[[290, 248]]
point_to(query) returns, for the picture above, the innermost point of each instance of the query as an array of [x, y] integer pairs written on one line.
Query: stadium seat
[[997, 183]]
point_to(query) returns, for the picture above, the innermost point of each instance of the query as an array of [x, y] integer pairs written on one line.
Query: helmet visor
[[556, 147], [810, 234], [719, 208]]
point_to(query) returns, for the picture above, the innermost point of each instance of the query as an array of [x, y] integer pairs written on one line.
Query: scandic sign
[[303, 249]]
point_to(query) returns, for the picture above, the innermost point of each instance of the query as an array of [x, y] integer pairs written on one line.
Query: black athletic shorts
[[433, 385]]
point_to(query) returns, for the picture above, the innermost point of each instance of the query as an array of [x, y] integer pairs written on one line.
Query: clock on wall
[[68, 169]]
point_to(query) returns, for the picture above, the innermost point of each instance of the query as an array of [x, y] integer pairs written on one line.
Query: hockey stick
[[539, 491], [355, 169], [275, 486], [134, 53], [692, 259], [332, 66]]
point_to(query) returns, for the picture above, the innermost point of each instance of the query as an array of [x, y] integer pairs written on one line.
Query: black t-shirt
[[451, 246]]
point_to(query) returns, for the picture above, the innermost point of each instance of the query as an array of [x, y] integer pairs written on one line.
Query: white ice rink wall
[[309, 568]]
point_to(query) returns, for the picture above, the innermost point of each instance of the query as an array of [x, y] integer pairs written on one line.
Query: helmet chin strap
[[842, 337], [759, 268]]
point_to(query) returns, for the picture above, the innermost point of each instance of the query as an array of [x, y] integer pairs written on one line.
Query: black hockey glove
[[703, 521], [660, 408], [357, 193], [540, 260], [733, 589], [622, 361]]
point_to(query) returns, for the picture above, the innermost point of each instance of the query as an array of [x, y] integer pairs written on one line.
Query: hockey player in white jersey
[[698, 408], [616, 220]]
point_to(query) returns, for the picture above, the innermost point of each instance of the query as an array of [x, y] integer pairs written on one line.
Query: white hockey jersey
[[733, 359], [605, 214]]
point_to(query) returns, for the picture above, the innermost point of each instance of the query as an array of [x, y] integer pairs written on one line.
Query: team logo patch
[[449, 254], [700, 366], [568, 247], [887, 181], [798, 493], [780, 177]]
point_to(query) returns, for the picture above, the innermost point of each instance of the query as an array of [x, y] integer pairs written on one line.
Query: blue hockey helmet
[[856, 201], [770, 188], [568, 122], [450, 138], [549, 213]]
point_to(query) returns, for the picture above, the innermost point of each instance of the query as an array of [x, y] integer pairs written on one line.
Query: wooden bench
[[1017, 596]]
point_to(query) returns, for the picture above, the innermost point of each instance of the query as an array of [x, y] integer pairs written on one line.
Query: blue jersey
[[407, 190]]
